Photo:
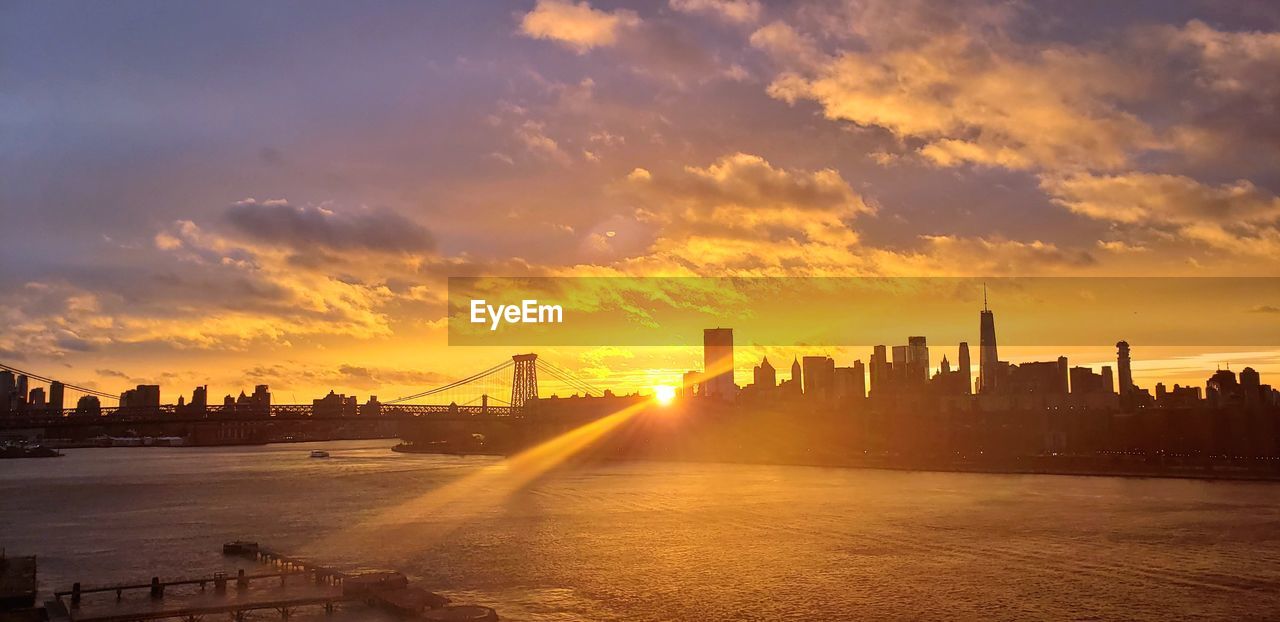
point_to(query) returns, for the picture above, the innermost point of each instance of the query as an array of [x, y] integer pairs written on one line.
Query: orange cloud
[[576, 25], [1238, 217], [970, 103], [735, 11]]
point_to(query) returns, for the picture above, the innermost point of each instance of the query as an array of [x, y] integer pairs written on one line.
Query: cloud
[[787, 45], [309, 227], [532, 135], [733, 11], [742, 214], [1151, 197], [968, 102], [1224, 81], [1265, 309], [575, 24], [1237, 217]]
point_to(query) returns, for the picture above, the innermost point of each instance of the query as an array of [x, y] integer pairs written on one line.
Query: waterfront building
[[57, 396]]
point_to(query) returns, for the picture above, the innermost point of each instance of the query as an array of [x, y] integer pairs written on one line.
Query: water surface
[[665, 541]]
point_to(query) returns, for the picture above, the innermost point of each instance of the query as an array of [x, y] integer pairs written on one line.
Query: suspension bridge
[[502, 391]]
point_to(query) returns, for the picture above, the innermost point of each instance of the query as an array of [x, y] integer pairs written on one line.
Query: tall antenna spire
[[984, 296]]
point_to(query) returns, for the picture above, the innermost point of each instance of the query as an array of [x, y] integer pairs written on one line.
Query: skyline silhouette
[[310, 213]]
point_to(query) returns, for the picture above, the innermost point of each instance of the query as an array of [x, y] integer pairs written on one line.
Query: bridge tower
[[524, 379]]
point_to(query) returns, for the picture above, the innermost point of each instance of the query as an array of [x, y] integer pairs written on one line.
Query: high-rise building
[[1126, 372], [1222, 389], [819, 377], [20, 391], [917, 359], [850, 382], [797, 376], [988, 358], [143, 396], [56, 396], [1085, 382], [1250, 386], [717, 362], [689, 384], [1041, 377], [7, 388], [964, 369], [764, 376], [899, 361], [879, 370]]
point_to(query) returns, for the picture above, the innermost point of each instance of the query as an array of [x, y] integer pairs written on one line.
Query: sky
[[236, 193]]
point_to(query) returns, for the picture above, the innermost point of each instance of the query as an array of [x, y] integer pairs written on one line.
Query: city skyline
[[907, 373], [180, 216]]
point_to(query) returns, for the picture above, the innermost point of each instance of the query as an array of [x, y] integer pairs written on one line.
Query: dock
[[286, 585], [17, 582]]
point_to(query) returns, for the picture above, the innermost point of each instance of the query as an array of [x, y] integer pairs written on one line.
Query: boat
[[319, 453], [28, 451]]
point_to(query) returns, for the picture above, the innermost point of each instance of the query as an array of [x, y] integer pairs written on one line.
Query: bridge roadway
[[278, 412]]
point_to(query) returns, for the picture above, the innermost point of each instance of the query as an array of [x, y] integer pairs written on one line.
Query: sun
[[664, 394]]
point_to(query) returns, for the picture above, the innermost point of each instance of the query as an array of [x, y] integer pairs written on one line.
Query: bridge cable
[[73, 387], [455, 384], [586, 386]]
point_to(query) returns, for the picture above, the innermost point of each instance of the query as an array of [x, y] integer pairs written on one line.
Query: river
[[664, 541]]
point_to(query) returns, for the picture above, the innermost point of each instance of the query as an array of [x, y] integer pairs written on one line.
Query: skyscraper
[[964, 370], [717, 362], [7, 389], [1122, 367], [20, 392], [917, 359], [879, 370], [819, 377], [56, 398], [765, 377], [797, 377], [988, 359]]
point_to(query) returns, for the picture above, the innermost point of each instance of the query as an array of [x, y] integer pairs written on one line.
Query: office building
[[717, 363], [964, 368], [1126, 372], [819, 377], [763, 376], [988, 357]]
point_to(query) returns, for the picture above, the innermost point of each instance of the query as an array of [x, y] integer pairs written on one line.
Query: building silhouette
[[764, 376], [1125, 371], [988, 358], [819, 377], [880, 369], [964, 368], [142, 396], [795, 384], [917, 359], [717, 363]]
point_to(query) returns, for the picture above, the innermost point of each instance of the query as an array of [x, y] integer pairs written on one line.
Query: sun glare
[[664, 394]]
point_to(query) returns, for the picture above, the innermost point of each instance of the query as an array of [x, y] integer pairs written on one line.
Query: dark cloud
[[1265, 309], [309, 227]]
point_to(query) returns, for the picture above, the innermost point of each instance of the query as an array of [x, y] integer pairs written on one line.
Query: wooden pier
[[17, 584], [290, 584]]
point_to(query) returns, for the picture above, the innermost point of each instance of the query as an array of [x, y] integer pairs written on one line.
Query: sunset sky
[[234, 193]]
